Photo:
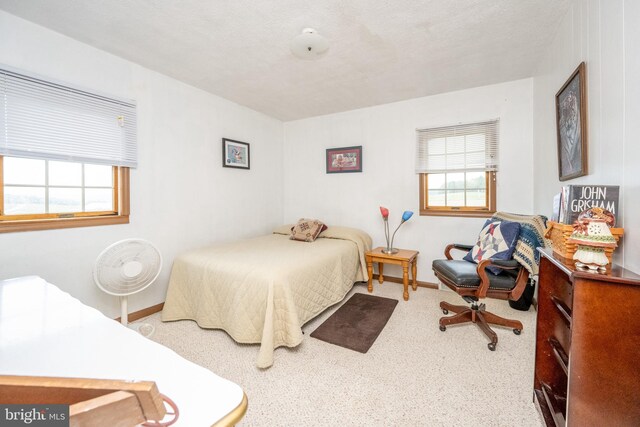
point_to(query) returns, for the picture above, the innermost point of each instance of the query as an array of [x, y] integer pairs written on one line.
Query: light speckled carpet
[[413, 375]]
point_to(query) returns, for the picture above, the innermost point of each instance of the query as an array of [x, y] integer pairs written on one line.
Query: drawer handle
[[563, 309], [556, 404], [559, 353]]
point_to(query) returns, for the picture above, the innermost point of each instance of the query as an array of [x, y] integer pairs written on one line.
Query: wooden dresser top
[[614, 273]]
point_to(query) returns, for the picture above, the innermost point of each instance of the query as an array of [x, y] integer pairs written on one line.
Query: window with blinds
[[65, 154], [457, 166]]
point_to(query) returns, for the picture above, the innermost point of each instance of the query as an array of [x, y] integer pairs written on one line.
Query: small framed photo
[[344, 159], [235, 154], [571, 123]]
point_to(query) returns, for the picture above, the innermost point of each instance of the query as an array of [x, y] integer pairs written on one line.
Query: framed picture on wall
[[235, 154], [571, 125], [344, 159]]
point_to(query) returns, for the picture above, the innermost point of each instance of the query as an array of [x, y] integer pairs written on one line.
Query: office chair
[[473, 282]]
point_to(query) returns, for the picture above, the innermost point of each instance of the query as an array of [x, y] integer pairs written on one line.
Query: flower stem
[[394, 233], [386, 231]]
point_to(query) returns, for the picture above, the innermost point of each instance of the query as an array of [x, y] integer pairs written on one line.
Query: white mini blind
[[47, 120], [464, 147]]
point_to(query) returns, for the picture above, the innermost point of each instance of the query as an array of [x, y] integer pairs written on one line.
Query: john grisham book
[[576, 199]]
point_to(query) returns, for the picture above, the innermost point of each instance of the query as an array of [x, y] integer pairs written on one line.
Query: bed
[[46, 332], [262, 290]]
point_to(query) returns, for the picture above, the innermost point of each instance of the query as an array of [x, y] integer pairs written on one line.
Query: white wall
[[181, 196], [606, 35], [387, 135]]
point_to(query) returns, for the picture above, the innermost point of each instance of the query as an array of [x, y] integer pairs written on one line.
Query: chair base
[[477, 314]]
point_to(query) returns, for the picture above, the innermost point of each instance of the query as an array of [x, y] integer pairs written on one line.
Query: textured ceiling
[[380, 50]]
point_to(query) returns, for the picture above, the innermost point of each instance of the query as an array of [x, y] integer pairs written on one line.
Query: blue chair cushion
[[497, 240]]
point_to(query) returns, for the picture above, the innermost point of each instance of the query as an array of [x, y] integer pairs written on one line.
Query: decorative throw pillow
[[307, 230], [497, 240], [324, 227]]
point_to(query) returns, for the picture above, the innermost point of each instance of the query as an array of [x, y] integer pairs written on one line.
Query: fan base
[[144, 329]]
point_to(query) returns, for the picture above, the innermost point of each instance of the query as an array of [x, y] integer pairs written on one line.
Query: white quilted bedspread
[[263, 290]]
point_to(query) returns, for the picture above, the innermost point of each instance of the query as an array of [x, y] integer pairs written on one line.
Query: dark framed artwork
[[344, 159], [235, 154], [571, 125]]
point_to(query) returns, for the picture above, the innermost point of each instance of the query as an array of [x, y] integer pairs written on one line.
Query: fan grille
[[127, 267]]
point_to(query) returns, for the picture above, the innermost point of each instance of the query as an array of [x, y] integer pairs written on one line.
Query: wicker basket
[[559, 233]]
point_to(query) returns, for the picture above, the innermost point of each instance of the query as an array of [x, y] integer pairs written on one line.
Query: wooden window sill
[[51, 224], [457, 213]]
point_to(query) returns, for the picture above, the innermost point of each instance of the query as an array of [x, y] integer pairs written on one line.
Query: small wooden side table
[[403, 257]]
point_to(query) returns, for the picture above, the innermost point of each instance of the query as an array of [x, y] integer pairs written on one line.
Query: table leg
[[370, 272], [405, 280], [414, 273], [380, 272]]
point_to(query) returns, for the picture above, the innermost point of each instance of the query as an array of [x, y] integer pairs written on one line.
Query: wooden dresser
[[587, 366]]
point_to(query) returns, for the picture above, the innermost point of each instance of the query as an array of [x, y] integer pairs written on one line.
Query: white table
[[46, 332]]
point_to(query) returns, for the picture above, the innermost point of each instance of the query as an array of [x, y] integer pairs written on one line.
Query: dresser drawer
[[586, 345], [561, 292]]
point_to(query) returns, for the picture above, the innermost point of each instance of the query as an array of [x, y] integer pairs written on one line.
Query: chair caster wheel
[[443, 328], [517, 331], [445, 311], [491, 346]]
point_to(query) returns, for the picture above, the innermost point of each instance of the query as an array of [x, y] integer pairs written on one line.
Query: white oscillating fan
[[125, 268]]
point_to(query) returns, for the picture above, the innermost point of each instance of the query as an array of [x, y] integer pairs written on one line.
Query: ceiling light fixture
[[309, 44]]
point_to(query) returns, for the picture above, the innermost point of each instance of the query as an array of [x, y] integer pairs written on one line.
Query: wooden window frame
[[462, 211], [34, 222]]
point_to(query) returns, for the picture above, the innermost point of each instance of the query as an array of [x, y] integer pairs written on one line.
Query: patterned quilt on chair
[[532, 229]]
